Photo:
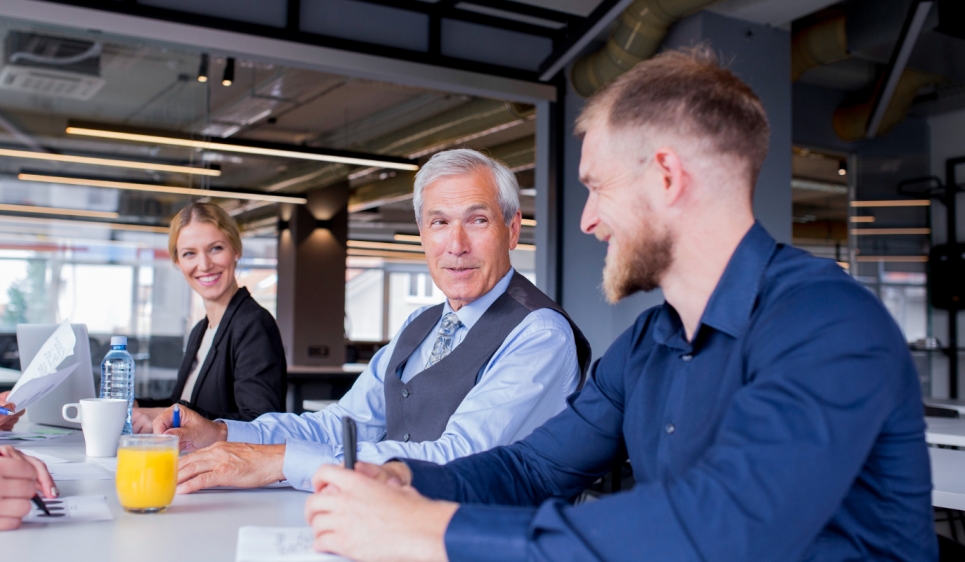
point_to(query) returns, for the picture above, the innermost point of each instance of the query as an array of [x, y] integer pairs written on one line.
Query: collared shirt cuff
[[242, 432], [487, 533], [302, 459]]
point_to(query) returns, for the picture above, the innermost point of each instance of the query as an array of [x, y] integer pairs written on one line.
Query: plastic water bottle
[[117, 376]]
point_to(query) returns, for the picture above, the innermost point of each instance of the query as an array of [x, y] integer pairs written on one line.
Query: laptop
[[79, 384]]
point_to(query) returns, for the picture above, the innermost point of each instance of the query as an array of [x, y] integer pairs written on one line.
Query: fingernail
[[55, 491], [178, 490]]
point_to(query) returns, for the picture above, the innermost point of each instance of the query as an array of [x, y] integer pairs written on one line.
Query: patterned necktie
[[443, 345]]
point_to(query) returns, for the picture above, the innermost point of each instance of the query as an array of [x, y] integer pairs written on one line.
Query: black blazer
[[244, 374]]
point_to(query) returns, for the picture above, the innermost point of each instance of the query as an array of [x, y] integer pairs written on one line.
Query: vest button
[[670, 429], [405, 392], [687, 357], [405, 437]]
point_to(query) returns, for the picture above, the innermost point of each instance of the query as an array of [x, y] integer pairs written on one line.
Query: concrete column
[[311, 277], [759, 55]]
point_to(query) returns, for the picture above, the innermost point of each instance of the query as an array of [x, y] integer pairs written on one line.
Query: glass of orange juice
[[147, 472]]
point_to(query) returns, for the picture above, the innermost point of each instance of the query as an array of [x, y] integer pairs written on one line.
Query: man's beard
[[638, 267]]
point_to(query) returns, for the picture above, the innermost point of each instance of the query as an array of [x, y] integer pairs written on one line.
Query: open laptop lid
[[79, 384]]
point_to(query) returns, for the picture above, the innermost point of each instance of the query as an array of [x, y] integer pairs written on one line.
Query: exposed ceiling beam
[[606, 12], [899, 60]]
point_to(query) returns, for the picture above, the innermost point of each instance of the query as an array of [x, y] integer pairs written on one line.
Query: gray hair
[[464, 161]]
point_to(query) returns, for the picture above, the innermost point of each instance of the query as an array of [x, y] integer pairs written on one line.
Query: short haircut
[[689, 93], [465, 161], [203, 212]]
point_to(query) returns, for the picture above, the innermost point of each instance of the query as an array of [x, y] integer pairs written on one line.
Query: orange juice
[[146, 477]]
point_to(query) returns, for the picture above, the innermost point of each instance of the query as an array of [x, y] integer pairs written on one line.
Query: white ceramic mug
[[102, 421]]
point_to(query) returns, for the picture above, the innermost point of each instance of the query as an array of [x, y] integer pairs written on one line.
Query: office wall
[[760, 55]]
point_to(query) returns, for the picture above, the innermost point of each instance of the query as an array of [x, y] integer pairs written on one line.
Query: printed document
[[279, 544]]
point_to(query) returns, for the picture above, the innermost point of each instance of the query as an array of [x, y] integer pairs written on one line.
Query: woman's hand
[[142, 419], [7, 422]]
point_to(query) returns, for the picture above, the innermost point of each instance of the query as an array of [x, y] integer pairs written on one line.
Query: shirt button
[[687, 357], [670, 429], [405, 437], [405, 392]]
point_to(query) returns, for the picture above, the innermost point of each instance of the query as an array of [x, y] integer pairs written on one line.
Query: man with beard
[[770, 408]]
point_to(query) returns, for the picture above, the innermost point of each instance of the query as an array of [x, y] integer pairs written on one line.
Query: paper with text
[[71, 509], [279, 544], [42, 376]]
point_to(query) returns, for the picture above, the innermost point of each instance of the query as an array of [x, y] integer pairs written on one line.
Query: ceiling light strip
[[240, 148], [897, 259], [528, 222], [889, 231], [108, 162], [362, 252], [111, 225], [862, 219], [408, 238], [384, 246], [893, 203], [163, 189], [58, 211]]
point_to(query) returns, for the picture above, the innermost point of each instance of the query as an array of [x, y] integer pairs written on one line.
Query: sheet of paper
[[107, 463], [78, 471], [47, 459], [29, 392], [71, 509], [18, 437], [59, 346], [279, 544]]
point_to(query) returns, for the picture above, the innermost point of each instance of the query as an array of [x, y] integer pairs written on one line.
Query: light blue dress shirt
[[525, 383]]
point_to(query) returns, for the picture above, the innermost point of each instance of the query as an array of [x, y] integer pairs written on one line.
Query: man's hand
[[195, 432], [231, 464], [358, 516], [142, 419], [7, 422]]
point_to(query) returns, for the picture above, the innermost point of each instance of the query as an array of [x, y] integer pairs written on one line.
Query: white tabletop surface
[[945, 431], [948, 478], [201, 526]]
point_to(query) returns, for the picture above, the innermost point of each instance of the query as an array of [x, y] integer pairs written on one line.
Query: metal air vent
[[53, 83], [51, 66]]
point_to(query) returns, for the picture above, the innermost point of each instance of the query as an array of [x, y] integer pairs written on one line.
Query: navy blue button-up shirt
[[790, 428]]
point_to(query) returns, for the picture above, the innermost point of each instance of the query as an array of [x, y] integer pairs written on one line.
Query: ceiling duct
[[51, 66], [851, 119], [638, 34], [825, 42]]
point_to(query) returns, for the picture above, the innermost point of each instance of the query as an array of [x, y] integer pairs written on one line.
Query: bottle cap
[[118, 340]]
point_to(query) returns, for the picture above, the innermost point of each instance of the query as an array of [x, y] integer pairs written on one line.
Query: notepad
[[279, 544], [71, 509], [44, 457]]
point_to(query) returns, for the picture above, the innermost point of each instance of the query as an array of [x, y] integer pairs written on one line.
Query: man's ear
[[673, 178], [514, 228]]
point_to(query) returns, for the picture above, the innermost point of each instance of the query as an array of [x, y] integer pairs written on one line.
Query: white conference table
[[945, 431], [201, 526], [948, 478]]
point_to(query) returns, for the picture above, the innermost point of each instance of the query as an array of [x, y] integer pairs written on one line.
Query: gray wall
[[760, 56]]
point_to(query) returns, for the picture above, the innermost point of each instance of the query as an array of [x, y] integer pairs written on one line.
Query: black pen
[[349, 441], [40, 503]]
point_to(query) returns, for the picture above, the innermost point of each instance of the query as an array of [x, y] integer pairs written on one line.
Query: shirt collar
[[730, 305], [473, 311]]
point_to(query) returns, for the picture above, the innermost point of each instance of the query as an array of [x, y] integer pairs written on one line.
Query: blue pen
[[6, 412], [176, 422]]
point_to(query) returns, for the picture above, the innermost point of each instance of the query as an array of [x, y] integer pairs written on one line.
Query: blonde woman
[[234, 364]]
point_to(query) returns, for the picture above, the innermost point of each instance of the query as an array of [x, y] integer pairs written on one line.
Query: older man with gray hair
[[482, 369]]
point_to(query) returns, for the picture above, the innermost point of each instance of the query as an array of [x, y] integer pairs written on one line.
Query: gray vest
[[420, 409]]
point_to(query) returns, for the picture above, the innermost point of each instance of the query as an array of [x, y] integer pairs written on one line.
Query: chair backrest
[[939, 412]]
